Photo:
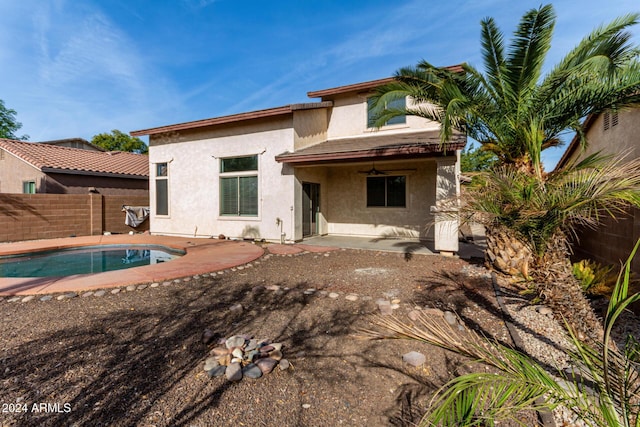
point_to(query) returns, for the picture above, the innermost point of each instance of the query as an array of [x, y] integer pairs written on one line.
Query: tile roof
[[402, 145], [56, 159]]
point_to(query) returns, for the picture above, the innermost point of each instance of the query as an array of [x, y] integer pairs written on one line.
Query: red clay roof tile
[[52, 158]]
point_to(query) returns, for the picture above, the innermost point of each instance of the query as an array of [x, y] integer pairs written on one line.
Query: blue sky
[[82, 67]]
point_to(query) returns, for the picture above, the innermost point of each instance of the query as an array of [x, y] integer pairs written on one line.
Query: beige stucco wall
[[194, 208], [14, 171], [349, 118], [310, 127], [619, 139], [347, 212]]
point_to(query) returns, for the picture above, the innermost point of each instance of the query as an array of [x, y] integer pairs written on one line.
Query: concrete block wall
[[48, 216], [613, 241]]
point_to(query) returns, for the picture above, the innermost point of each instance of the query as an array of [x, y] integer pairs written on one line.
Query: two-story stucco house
[[286, 173]]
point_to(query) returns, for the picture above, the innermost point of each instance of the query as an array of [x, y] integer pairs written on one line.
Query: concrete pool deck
[[202, 256]]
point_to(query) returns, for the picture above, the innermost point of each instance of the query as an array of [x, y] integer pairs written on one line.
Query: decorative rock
[[237, 352], [66, 296], [101, 293], [414, 358], [236, 307], [450, 318], [28, 298], [44, 298], [210, 363], [267, 364], [154, 285], [351, 297], [236, 360], [218, 371], [219, 351], [141, 287], [309, 291], [385, 307], [544, 310], [277, 346], [234, 372], [283, 365], [251, 345], [306, 406], [267, 348], [272, 287], [414, 315], [252, 371], [276, 355], [251, 355], [87, 294], [234, 341], [395, 301], [208, 336], [131, 288], [14, 299]]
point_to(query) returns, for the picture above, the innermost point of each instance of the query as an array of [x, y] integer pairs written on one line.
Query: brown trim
[[409, 151], [258, 114], [575, 142], [357, 87]]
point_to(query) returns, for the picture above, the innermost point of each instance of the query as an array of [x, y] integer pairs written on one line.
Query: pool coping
[[202, 256]]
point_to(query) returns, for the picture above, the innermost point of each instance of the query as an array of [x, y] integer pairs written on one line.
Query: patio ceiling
[[378, 147]]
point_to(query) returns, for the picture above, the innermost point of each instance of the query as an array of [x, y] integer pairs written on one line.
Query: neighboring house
[[286, 173], [74, 143], [613, 133], [27, 167]]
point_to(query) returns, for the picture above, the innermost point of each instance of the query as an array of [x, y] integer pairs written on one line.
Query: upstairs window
[[386, 191], [162, 189], [239, 186], [397, 104]]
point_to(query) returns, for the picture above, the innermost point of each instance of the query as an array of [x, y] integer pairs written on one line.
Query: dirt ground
[[136, 358]]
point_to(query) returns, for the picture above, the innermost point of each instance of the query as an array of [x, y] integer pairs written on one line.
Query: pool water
[[84, 260]]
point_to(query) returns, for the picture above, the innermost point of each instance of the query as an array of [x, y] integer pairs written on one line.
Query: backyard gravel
[[135, 356]]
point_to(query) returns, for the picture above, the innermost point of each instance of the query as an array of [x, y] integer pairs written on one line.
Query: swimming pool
[[85, 260]]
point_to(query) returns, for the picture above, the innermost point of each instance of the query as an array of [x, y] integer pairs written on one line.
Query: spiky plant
[[603, 390], [516, 112]]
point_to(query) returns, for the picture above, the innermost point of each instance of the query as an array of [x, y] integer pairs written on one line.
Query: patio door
[[310, 208]]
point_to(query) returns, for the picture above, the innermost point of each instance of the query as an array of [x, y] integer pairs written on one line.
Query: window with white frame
[[239, 186], [162, 188], [387, 191], [395, 104]]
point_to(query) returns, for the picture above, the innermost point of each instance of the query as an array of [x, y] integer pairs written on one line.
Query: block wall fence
[[48, 216], [613, 241]]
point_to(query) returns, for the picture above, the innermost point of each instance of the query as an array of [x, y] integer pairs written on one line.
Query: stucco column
[[445, 211]]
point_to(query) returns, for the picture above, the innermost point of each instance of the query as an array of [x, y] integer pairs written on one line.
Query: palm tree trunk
[[552, 275], [506, 253], [563, 293]]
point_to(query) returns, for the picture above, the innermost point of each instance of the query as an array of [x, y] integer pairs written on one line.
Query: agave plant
[[603, 388]]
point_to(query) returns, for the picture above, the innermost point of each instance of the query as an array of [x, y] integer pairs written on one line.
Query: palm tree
[[516, 112], [602, 390]]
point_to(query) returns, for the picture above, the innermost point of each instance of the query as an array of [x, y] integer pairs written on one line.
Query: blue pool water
[[84, 260]]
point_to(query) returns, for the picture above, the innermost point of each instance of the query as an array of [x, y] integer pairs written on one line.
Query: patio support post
[[445, 211]]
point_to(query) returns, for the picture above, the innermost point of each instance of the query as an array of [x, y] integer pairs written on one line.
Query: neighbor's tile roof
[[52, 158], [402, 145]]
